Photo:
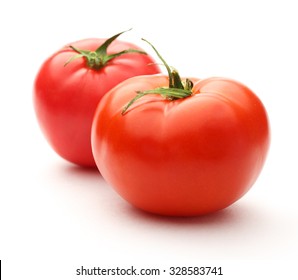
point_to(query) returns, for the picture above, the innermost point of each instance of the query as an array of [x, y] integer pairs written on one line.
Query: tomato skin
[[65, 97], [186, 157]]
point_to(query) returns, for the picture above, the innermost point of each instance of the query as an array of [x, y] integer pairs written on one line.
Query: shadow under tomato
[[91, 178], [225, 216], [81, 170], [68, 174]]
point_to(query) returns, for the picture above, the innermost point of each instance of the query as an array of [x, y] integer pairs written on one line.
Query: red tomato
[[182, 157], [66, 96]]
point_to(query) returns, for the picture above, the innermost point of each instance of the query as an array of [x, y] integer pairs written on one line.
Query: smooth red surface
[[65, 97], [185, 157]]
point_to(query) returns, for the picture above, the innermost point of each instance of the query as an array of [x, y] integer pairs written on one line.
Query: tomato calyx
[[99, 58], [177, 88]]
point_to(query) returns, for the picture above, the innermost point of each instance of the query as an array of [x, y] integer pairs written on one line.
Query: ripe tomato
[[70, 84], [180, 151]]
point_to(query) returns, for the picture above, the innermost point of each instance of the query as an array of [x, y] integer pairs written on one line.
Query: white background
[[55, 217]]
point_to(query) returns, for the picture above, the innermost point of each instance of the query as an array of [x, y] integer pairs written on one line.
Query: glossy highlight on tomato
[[180, 156], [71, 83]]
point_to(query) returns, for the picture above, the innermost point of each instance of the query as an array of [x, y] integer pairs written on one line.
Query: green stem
[[167, 93], [176, 90], [99, 58]]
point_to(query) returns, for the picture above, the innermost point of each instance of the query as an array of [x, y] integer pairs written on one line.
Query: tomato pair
[[167, 145]]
